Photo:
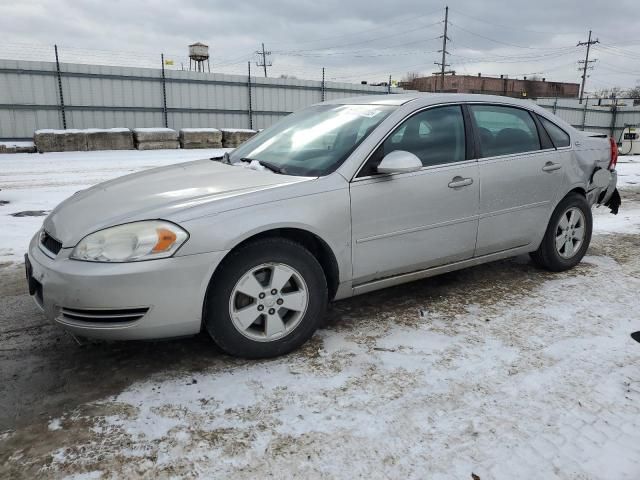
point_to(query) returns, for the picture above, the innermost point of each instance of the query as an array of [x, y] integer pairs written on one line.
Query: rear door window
[[559, 137], [504, 130]]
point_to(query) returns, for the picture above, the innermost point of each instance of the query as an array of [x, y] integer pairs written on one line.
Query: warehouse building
[[510, 87]]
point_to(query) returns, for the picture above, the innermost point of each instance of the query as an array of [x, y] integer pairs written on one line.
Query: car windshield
[[313, 142]]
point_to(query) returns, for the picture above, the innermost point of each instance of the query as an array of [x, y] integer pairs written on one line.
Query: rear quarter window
[[559, 137]]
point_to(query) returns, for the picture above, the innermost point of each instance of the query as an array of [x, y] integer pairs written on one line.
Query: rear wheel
[[266, 299], [568, 235]]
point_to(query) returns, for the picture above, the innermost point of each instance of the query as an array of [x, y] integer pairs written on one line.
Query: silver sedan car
[[339, 199]]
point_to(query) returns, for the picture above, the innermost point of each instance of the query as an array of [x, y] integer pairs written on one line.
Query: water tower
[[198, 55]]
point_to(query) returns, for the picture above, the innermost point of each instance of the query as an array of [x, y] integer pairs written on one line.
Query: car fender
[[326, 215]]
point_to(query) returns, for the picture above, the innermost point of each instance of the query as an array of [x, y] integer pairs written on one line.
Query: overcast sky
[[355, 40]]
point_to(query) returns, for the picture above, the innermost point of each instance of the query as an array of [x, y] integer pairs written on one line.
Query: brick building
[[509, 87]]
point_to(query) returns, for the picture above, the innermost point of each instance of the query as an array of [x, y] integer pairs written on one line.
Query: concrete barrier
[[60, 140], [232, 137], [155, 138], [200, 138], [109, 139], [158, 145], [125, 139], [17, 147], [155, 134]]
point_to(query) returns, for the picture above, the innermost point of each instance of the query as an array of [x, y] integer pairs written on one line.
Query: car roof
[[422, 99]]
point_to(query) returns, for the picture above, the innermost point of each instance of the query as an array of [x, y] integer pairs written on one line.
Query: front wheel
[[266, 299], [568, 235]]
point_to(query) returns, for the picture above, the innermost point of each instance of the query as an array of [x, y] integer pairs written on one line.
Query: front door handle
[[457, 182], [550, 167]]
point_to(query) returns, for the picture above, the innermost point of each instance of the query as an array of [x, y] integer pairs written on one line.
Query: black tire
[[547, 256], [218, 320]]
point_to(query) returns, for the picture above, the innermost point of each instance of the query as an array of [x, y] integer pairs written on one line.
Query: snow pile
[[53, 131], [199, 130], [169, 131]]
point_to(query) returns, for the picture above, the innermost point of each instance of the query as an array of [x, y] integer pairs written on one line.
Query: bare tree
[[634, 93], [411, 76], [614, 92]]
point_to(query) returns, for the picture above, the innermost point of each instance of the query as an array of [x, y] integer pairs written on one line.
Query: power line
[[516, 58], [361, 52], [359, 42], [364, 55], [380, 27], [519, 28], [500, 41], [617, 69], [361, 74], [618, 51]]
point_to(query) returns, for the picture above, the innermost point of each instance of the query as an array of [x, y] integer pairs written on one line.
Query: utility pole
[[59, 75], [443, 65], [586, 63], [263, 63], [164, 94], [250, 109]]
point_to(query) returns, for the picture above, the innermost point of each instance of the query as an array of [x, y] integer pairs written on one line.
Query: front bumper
[[170, 292]]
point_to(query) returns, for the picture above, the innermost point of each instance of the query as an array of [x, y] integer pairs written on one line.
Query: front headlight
[[131, 242]]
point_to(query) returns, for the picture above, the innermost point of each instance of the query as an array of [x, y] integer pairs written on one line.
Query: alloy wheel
[[570, 232], [268, 302]]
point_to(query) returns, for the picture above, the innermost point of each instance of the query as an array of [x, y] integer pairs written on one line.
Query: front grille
[[50, 243], [104, 315]]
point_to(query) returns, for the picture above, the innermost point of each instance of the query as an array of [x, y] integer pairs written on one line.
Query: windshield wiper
[[274, 168], [224, 158]]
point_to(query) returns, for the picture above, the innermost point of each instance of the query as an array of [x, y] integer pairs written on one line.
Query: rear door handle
[[550, 167], [457, 182]]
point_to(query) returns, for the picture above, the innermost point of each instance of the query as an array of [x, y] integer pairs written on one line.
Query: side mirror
[[399, 161]]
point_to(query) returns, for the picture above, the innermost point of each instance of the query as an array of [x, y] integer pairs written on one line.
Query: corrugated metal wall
[[100, 96], [593, 117], [97, 96]]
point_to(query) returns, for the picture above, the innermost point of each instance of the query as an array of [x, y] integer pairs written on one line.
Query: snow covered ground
[[38, 182], [502, 370]]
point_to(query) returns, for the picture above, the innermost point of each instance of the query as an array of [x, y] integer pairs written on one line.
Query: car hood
[[155, 193]]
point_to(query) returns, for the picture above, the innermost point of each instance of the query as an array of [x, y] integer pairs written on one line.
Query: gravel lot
[[502, 370]]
